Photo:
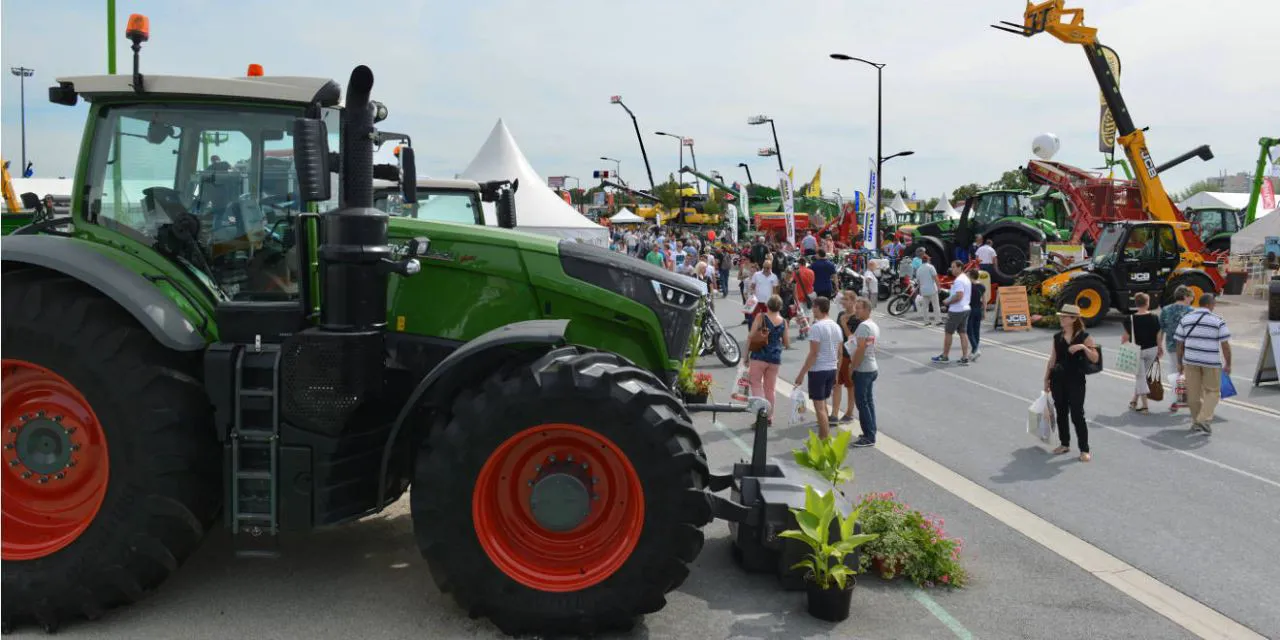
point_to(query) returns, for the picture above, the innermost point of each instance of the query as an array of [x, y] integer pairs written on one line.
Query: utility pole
[[23, 73]]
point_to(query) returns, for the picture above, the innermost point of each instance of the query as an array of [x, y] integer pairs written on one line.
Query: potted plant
[[830, 537], [910, 544], [826, 457]]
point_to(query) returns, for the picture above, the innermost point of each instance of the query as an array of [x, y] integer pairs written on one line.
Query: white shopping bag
[[742, 390], [750, 306], [1039, 420], [799, 402], [1128, 357], [1048, 421]]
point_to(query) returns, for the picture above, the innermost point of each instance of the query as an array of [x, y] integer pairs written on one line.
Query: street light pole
[[617, 168], [680, 141], [618, 101], [23, 73]]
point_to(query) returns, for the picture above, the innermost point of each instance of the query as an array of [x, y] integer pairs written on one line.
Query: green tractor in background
[[1007, 217], [197, 342]]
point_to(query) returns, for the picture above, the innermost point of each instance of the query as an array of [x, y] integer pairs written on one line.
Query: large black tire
[[163, 486], [1199, 284], [1091, 296], [605, 395], [1013, 252]]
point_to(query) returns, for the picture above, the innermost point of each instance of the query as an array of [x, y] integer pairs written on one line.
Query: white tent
[[1252, 237], [1215, 200], [625, 216], [898, 205], [948, 211], [538, 208]]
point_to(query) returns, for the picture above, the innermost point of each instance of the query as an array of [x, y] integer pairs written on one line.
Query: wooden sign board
[[1012, 309]]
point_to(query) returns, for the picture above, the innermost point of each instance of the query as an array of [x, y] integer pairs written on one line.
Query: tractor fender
[[71, 257], [1008, 226], [459, 368]]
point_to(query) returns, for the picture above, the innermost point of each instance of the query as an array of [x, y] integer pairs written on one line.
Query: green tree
[[967, 191], [1012, 179], [1197, 187], [887, 196], [931, 204], [758, 192], [668, 192]]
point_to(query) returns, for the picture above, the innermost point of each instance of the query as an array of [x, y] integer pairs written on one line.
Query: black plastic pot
[[694, 398], [831, 605]]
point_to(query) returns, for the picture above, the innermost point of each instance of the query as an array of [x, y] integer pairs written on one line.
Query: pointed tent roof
[[944, 205], [898, 205], [538, 208], [625, 216]]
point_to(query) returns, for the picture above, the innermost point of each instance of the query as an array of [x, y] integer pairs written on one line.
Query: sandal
[[1133, 406], [1061, 450], [1085, 457], [1142, 410]]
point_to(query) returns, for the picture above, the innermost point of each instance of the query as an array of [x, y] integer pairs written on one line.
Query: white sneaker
[[973, 357]]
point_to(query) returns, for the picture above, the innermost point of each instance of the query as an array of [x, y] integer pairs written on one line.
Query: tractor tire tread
[[152, 408], [657, 427]]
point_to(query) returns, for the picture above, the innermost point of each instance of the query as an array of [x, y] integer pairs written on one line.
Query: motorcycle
[[715, 338]]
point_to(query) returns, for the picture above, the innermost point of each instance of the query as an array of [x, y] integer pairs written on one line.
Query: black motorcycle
[[715, 338]]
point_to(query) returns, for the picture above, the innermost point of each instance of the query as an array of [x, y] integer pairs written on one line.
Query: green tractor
[[198, 343], [1007, 217]]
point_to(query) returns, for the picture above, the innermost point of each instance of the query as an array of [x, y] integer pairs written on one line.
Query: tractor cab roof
[[285, 89]]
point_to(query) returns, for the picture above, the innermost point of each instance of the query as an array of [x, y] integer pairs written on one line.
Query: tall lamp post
[[23, 73], [748, 168], [880, 159], [761, 119], [618, 101], [682, 141], [617, 168]]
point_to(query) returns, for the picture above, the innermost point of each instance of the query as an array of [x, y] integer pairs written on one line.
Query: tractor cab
[[1215, 226]]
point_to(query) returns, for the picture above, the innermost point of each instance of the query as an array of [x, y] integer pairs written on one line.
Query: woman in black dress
[[1143, 329], [1064, 378]]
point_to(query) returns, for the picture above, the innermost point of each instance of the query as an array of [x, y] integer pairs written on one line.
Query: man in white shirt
[[986, 255], [927, 303], [825, 339], [957, 314]]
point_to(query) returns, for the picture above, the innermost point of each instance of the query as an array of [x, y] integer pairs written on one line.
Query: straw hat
[[1069, 310]]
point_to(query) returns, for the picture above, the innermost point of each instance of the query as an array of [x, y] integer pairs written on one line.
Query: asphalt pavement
[[1195, 512]]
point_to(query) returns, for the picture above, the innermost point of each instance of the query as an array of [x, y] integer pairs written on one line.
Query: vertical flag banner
[[1107, 122], [788, 206], [873, 199], [733, 223], [1268, 195], [746, 210]]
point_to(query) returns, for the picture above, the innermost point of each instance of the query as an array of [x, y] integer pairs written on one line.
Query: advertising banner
[[1012, 309], [788, 206], [1106, 122], [871, 217]]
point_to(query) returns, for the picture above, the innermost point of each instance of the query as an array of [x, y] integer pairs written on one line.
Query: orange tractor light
[[396, 152], [255, 71], [138, 28]]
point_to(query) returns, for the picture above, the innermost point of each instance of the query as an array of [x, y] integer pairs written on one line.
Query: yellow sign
[[1012, 309]]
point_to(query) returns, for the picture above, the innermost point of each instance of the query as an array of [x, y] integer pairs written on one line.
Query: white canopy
[[944, 205], [1215, 200], [538, 208], [898, 205], [1252, 237], [625, 216]]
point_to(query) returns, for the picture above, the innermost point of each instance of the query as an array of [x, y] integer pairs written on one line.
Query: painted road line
[[1232, 402], [931, 605], [1183, 610], [1148, 441]]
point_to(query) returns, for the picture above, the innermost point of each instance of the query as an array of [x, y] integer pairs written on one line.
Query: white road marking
[[1187, 612]]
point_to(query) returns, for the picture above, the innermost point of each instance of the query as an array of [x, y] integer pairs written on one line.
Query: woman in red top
[[804, 282]]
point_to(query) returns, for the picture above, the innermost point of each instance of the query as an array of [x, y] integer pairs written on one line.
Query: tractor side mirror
[[408, 176], [31, 201], [507, 207], [311, 159]]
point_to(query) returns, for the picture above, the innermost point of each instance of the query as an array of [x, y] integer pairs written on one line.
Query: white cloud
[[966, 98]]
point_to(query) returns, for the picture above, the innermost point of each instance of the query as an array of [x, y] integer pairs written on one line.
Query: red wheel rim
[[531, 553], [55, 461]]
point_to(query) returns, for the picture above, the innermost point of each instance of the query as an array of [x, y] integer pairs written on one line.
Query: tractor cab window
[[989, 208], [1104, 252], [458, 207], [214, 189], [1167, 243]]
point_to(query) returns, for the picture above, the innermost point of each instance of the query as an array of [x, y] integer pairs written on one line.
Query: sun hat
[[1069, 310]]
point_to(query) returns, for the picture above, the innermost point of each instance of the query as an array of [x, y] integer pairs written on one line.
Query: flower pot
[[881, 567], [694, 398], [831, 605]]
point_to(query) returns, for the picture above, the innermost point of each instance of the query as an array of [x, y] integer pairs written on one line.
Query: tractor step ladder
[[255, 452]]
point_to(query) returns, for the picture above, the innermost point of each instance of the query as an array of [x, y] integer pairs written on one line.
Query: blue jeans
[[974, 328], [863, 383]]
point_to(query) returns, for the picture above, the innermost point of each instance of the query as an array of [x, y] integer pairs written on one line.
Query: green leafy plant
[[909, 543], [825, 561], [826, 457]]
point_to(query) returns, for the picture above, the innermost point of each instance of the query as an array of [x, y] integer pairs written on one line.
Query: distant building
[[1240, 182]]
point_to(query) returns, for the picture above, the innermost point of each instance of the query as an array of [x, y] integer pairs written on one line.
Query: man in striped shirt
[[1204, 355]]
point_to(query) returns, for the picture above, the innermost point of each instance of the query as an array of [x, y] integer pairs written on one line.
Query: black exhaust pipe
[[1201, 152], [353, 278]]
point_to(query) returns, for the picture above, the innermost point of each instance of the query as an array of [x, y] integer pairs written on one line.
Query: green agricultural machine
[[1007, 217], [199, 343]]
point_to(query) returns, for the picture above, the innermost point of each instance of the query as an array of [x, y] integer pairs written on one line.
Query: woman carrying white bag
[[1143, 329]]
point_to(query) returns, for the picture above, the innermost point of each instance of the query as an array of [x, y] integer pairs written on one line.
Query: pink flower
[[946, 579]]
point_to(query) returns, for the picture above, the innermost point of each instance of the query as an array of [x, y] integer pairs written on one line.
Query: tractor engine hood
[[672, 297]]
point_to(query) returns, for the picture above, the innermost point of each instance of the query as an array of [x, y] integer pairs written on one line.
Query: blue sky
[[967, 99]]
